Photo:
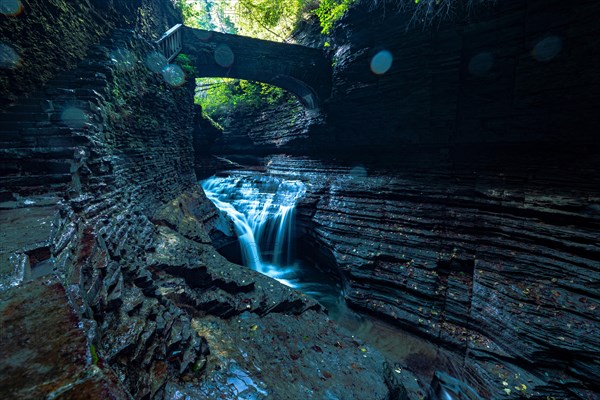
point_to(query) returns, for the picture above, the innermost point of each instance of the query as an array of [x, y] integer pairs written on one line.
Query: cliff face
[[514, 73], [497, 268], [457, 192], [277, 127], [102, 218], [42, 38]]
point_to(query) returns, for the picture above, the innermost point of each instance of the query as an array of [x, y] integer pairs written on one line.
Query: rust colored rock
[[44, 350]]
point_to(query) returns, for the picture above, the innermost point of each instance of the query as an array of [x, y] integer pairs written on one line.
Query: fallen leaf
[[316, 348]]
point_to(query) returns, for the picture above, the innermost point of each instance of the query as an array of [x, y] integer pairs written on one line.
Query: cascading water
[[262, 210]]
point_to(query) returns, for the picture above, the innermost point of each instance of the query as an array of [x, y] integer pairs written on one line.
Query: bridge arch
[[303, 71]]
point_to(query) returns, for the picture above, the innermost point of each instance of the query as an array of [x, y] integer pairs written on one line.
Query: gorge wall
[[457, 193], [110, 286], [465, 226], [41, 39], [498, 268], [507, 76]]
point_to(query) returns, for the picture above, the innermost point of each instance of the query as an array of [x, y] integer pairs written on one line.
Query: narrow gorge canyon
[[427, 228]]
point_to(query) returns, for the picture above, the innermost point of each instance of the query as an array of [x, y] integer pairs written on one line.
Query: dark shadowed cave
[[448, 192]]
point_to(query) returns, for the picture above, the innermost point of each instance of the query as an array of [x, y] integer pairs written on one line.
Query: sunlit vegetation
[[330, 11], [263, 19], [183, 60], [207, 14], [277, 21], [220, 96]]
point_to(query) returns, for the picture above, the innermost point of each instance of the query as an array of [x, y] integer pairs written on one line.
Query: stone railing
[[171, 42]]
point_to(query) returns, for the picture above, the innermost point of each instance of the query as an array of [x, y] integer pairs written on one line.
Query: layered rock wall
[[101, 210], [42, 38], [516, 72], [497, 266], [277, 127]]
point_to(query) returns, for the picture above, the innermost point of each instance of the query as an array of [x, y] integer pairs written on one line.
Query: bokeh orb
[[204, 36], [123, 59], [74, 117], [9, 58], [547, 48], [224, 56], [173, 75], [481, 64], [358, 172], [155, 62], [381, 62], [11, 7]]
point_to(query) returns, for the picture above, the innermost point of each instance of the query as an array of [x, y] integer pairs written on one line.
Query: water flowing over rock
[[448, 191], [470, 260], [99, 198], [262, 210]]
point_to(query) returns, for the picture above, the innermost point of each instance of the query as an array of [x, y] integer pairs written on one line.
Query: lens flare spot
[[11, 7], [8, 57], [74, 117], [224, 56], [547, 48], [156, 62], [358, 172], [381, 62], [173, 75], [204, 36], [123, 59], [481, 64]]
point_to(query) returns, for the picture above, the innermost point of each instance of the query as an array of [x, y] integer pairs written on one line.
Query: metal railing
[[171, 42]]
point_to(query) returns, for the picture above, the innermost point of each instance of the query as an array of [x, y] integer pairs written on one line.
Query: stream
[[262, 208]]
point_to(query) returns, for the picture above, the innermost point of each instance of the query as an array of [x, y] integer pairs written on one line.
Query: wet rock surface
[[498, 268], [44, 348], [128, 230], [48, 38], [276, 356]]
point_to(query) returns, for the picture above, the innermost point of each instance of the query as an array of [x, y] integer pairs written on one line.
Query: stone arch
[[303, 71]]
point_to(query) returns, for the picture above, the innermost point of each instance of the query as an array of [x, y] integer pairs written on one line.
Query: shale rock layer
[[499, 267]]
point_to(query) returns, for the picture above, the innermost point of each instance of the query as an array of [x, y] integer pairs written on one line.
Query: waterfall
[[262, 210]]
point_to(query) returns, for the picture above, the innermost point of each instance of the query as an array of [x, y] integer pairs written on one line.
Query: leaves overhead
[[219, 96], [263, 19]]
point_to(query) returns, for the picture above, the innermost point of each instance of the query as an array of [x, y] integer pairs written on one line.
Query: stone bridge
[[303, 71]]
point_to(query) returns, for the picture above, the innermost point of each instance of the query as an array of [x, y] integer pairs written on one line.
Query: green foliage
[[277, 19], [183, 60], [330, 11], [206, 14], [94, 354], [196, 13], [220, 96], [268, 19], [264, 19]]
